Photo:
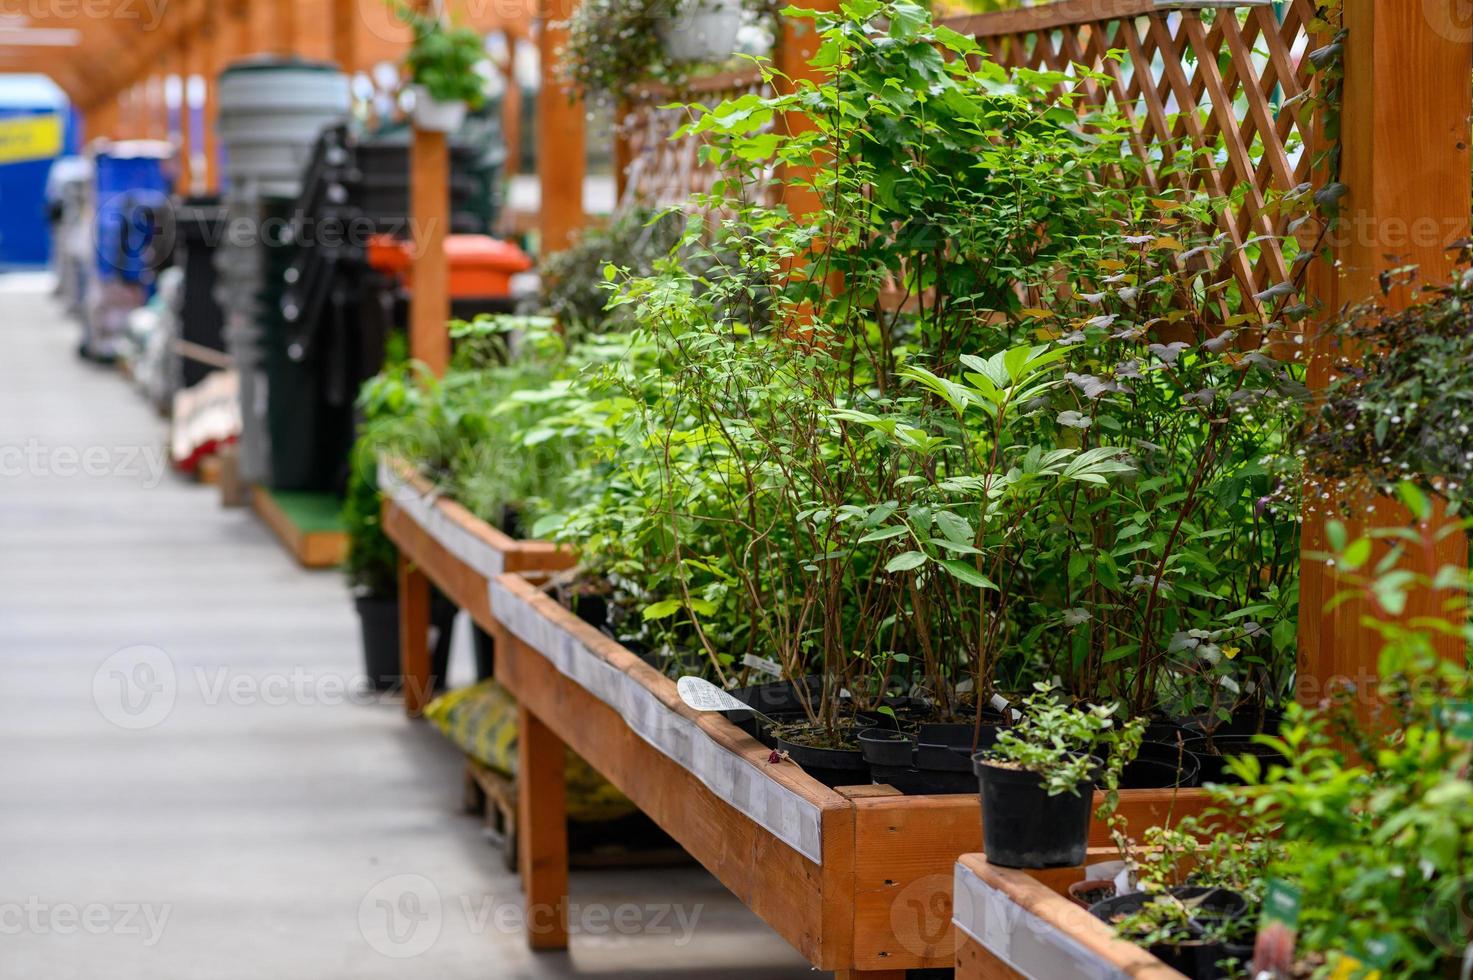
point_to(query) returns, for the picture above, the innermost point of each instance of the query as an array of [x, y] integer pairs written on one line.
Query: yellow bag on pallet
[[482, 722]]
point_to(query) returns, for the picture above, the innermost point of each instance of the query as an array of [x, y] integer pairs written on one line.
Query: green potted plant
[[442, 63], [1038, 781], [372, 570]]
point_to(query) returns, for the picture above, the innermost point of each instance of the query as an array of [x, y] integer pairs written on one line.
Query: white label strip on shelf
[[776, 808], [454, 538], [1019, 938]]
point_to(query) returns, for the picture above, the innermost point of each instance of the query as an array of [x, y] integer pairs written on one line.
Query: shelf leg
[[869, 975], [542, 831], [414, 636]]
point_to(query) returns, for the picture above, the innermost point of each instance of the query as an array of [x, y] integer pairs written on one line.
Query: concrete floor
[[185, 789]]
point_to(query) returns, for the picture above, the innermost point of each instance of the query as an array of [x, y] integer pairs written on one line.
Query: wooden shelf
[[858, 879], [306, 523], [1018, 924], [441, 542]]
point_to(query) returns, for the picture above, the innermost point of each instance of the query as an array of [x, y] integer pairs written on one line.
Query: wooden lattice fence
[[1214, 94], [1222, 82]]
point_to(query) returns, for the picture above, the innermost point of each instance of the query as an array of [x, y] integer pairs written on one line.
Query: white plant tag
[[704, 696], [1000, 703], [766, 666]]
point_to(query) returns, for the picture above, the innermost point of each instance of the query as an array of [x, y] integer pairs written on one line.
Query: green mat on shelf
[[311, 512]]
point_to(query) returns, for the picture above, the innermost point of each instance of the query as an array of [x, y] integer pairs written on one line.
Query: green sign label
[[1281, 902]]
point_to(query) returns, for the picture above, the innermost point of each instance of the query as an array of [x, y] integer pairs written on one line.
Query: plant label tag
[[1000, 703], [1281, 902], [770, 667], [1380, 951], [702, 695], [1278, 930]]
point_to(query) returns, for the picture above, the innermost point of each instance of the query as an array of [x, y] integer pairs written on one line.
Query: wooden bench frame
[[874, 901], [440, 541], [1012, 924]]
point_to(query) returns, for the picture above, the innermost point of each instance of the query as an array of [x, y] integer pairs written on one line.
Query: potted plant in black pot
[[1038, 780], [442, 64], [372, 569]]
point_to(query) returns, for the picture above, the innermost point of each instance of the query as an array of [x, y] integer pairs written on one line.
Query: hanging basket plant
[[443, 64], [615, 43]]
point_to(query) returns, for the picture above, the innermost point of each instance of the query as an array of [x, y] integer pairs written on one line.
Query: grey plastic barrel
[[270, 113]]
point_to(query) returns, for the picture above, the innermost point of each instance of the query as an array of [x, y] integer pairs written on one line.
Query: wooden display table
[[857, 879], [1014, 924], [440, 541]]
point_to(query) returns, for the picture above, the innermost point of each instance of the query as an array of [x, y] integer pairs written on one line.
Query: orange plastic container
[[480, 266]]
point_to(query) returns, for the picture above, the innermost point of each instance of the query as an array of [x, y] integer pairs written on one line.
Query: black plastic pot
[[1199, 958], [1161, 766], [485, 646], [378, 621], [832, 767], [923, 782], [1246, 721], [1212, 759], [777, 700], [886, 747], [1023, 826], [1168, 732], [442, 624]]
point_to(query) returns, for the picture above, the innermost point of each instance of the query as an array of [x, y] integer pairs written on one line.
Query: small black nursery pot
[[832, 767], [1159, 765], [886, 747], [1198, 957], [1212, 755], [1023, 826]]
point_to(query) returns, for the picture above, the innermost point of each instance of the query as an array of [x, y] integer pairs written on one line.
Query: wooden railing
[[1217, 83]]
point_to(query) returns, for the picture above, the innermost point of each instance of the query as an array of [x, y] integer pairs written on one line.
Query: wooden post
[[511, 105], [414, 637], [1404, 131], [345, 35], [429, 186], [542, 831], [210, 65], [561, 138], [796, 46], [245, 34], [183, 61], [284, 41], [429, 214]]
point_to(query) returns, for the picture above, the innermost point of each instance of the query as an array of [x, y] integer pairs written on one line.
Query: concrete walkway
[[186, 790]]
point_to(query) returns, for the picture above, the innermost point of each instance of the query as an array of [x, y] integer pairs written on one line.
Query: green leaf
[[885, 534], [968, 574], [1357, 554], [662, 610], [905, 561], [955, 528]]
